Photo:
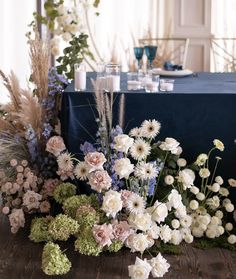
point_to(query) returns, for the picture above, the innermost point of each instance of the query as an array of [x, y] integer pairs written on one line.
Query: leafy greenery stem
[[158, 180]]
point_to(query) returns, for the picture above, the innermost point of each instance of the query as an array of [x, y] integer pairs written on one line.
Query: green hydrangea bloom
[[64, 191], [62, 227], [54, 262], [71, 204], [86, 216], [86, 244], [39, 229], [115, 246]]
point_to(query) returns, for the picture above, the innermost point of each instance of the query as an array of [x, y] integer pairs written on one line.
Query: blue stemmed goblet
[[138, 52], [151, 52]]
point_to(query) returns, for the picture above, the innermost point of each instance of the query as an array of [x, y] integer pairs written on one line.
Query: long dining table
[[201, 108]]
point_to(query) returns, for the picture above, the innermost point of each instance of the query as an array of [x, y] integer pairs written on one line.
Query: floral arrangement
[[144, 194]]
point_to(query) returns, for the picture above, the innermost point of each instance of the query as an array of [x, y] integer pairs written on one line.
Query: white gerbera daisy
[[145, 171], [81, 171], [135, 204], [150, 128], [140, 149], [135, 132], [65, 162]]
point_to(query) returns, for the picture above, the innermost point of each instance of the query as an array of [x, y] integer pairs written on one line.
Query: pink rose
[[55, 145], [103, 234], [95, 160], [121, 230], [100, 180]]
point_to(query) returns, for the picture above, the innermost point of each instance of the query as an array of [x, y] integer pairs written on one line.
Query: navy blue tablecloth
[[200, 109]]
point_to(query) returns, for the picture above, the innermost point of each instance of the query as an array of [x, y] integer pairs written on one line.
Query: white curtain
[[224, 26], [120, 25], [14, 19]]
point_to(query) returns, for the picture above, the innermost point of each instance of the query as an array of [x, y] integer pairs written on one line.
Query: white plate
[[180, 73]]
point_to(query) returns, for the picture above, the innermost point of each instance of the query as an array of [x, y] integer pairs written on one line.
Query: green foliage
[[62, 227], [219, 242], [115, 246], [39, 229], [166, 248], [54, 262], [63, 192], [76, 51]]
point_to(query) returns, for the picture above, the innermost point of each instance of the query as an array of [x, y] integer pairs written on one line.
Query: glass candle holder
[[112, 76], [133, 82], [152, 85], [167, 85], [80, 77], [101, 75]]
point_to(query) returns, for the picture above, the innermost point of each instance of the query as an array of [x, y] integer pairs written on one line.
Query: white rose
[[165, 233], [174, 199], [140, 222], [140, 270], [154, 231], [112, 203], [158, 212], [186, 177], [139, 242], [170, 144], [123, 143], [159, 266], [123, 168]]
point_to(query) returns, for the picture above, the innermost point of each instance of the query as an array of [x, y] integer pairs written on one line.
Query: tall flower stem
[[214, 172], [158, 180]]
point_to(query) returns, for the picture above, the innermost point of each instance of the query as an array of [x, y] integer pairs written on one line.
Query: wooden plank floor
[[21, 259]]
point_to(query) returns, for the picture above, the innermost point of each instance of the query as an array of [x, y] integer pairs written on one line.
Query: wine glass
[[138, 51], [151, 54]]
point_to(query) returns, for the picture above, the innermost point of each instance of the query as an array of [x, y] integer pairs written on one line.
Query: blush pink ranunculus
[[100, 180], [103, 234], [55, 145], [125, 195], [95, 160]]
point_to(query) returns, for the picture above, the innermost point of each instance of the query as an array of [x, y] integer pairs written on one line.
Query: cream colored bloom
[[112, 203], [204, 173], [135, 204], [140, 222], [65, 162], [170, 144], [55, 145], [169, 179], [219, 145], [219, 180], [135, 132], [201, 159], [95, 160], [193, 204], [123, 143], [140, 270], [81, 171], [232, 182], [181, 162], [224, 192], [123, 168], [232, 239], [186, 177], [159, 266], [145, 171], [158, 212], [139, 242]]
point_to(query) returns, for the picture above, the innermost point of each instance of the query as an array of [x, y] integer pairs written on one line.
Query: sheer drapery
[[223, 26], [14, 19]]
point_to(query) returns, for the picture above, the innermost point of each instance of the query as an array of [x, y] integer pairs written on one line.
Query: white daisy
[[150, 128], [140, 149], [145, 171], [135, 204], [81, 171], [65, 162], [135, 132]]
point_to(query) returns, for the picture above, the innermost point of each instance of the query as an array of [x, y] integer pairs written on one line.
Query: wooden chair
[[169, 49], [224, 54]]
